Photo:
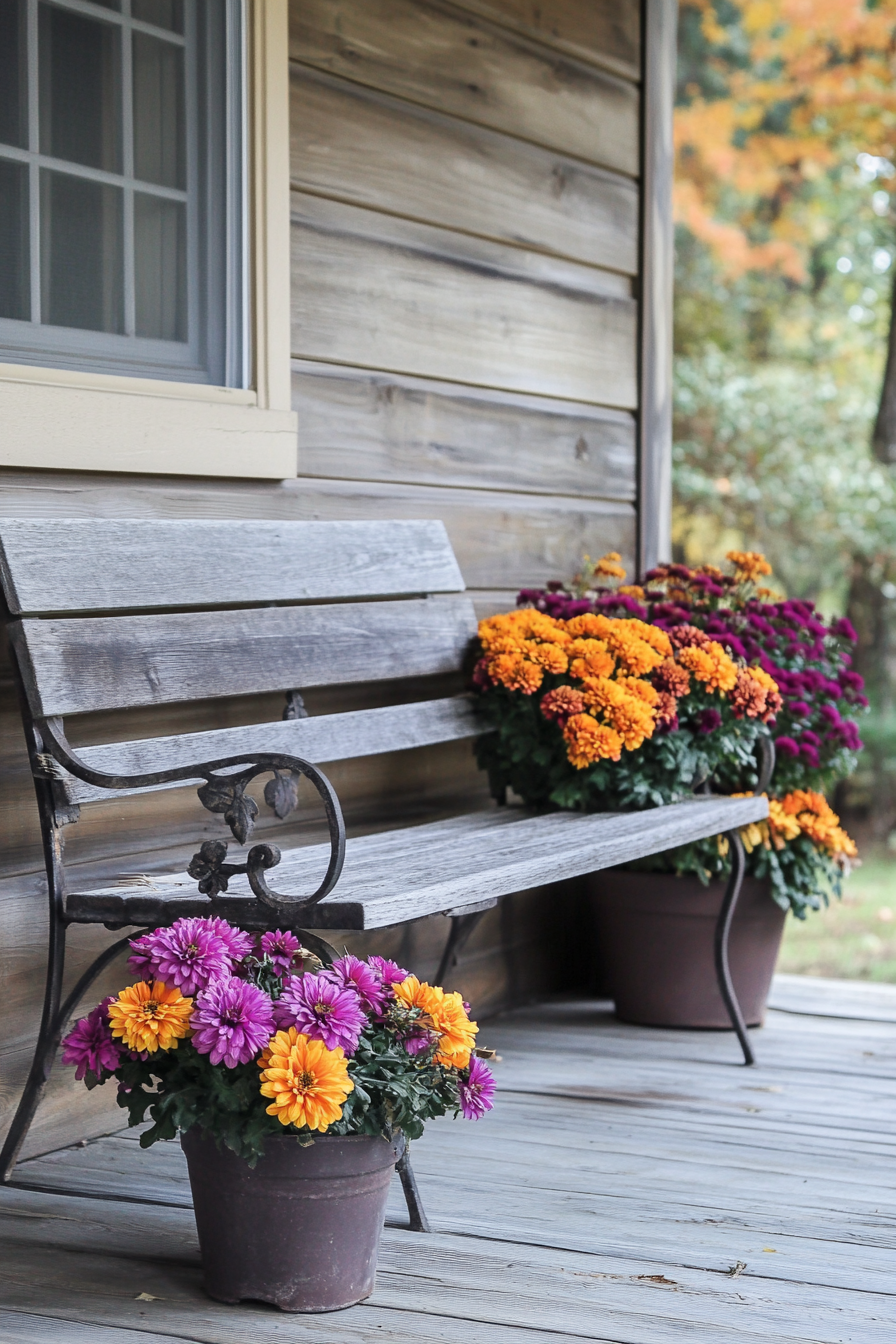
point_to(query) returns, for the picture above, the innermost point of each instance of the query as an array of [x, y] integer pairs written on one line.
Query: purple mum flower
[[323, 1011], [785, 746], [391, 972], [708, 720], [232, 1022], [476, 1090], [351, 973], [810, 756], [188, 956], [845, 629], [800, 708], [281, 946], [90, 1044]]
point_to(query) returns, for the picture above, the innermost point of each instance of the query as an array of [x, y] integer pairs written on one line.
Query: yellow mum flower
[[308, 1083], [150, 1017], [588, 741], [590, 657], [641, 690]]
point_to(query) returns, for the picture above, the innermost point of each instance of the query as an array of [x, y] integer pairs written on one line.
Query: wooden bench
[[121, 615]]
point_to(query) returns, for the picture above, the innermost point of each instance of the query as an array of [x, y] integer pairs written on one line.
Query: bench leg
[[461, 928], [54, 1018], [723, 929], [417, 1219]]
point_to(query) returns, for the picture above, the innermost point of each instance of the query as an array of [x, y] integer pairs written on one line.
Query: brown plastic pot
[[301, 1229], [655, 947]]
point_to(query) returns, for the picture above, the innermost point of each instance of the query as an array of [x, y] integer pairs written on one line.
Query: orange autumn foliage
[[818, 86]]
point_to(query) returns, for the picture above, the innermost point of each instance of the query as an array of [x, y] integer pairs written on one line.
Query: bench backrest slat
[[319, 739], [119, 662], [49, 565]]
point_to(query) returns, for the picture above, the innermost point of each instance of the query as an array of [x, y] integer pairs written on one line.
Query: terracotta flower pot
[[655, 947], [301, 1229]]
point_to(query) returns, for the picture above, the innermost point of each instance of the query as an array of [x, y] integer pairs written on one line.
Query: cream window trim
[[74, 421]]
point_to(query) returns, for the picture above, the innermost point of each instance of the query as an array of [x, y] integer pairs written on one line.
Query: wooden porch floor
[[632, 1185]]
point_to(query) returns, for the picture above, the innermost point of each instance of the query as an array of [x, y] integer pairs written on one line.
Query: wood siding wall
[[464, 263]]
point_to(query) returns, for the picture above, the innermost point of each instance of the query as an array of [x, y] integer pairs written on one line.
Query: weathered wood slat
[[397, 428], [20, 1327], [606, 32], [433, 54], [109, 662], [357, 145], [56, 565], [404, 874], [391, 294], [320, 739]]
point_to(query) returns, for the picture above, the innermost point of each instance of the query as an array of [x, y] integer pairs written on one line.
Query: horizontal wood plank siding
[[395, 295], [607, 32], [367, 148], [444, 58], [387, 427]]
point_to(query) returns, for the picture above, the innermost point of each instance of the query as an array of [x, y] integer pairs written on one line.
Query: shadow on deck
[[632, 1185]]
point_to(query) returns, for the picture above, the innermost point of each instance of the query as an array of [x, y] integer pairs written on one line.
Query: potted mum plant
[[293, 1086], [656, 930]]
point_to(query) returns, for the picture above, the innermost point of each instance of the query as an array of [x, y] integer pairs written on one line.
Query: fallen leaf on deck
[[147, 1297], [736, 1270]]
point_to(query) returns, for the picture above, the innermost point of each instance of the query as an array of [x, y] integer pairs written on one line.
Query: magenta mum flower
[[324, 1011], [238, 942], [187, 956], [351, 973], [281, 946], [90, 1045], [476, 1090], [232, 1021], [391, 972]]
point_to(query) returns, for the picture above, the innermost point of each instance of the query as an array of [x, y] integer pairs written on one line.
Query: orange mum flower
[[516, 672], [549, 656], [590, 657], [307, 1082], [446, 1015], [588, 741], [150, 1017], [748, 564], [711, 665]]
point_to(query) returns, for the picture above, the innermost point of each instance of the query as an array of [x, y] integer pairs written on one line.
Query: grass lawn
[[855, 938]]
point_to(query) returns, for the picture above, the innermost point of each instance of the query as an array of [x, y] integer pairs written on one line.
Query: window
[[122, 187]]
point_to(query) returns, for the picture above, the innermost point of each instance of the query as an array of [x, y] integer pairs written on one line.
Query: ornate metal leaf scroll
[[227, 794], [282, 794]]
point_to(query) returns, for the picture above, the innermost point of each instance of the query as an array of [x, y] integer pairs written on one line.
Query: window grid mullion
[[127, 142], [34, 221]]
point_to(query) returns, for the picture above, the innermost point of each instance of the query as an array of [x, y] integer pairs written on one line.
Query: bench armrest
[[225, 793]]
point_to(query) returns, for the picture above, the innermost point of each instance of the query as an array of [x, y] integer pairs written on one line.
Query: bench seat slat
[[319, 739], [73, 666], [105, 564], [394, 876]]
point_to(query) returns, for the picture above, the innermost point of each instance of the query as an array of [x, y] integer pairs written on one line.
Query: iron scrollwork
[[226, 793]]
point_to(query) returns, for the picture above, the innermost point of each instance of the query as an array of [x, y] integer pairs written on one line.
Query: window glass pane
[[12, 73], [80, 89], [81, 253], [14, 268], [163, 13], [159, 131], [160, 267]]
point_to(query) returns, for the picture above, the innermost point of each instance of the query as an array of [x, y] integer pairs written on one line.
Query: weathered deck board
[[622, 1176]]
